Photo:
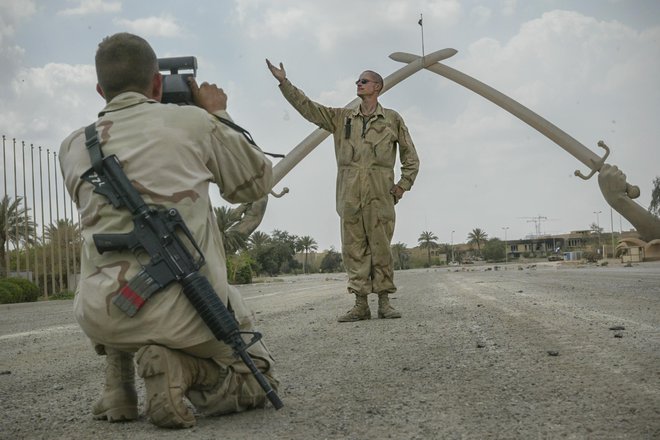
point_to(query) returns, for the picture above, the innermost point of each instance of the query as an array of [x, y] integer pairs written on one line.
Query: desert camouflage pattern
[[366, 153], [171, 154]]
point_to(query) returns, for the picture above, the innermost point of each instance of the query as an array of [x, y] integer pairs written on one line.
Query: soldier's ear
[[157, 87], [99, 90]]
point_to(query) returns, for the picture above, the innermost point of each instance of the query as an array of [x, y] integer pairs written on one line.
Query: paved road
[[522, 353]]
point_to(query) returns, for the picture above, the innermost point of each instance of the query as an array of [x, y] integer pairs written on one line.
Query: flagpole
[[17, 249], [5, 199], [25, 226], [421, 25], [34, 216]]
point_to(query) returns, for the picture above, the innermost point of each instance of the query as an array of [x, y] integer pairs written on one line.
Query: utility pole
[[537, 227], [452, 246], [598, 229], [506, 250], [537, 223]]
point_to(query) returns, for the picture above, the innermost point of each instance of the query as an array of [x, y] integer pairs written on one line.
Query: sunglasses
[[363, 81]]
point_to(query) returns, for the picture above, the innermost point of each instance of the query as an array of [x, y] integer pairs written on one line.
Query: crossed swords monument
[[647, 225]]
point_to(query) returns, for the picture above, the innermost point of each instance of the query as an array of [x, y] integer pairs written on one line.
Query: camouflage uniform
[[365, 150], [171, 154]]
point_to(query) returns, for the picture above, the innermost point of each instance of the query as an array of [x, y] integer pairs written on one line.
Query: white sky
[[590, 67]]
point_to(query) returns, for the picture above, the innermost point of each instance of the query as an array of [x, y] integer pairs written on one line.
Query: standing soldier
[[366, 140]]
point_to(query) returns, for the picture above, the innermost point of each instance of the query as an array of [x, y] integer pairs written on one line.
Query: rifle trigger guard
[[281, 193], [256, 337], [597, 165]]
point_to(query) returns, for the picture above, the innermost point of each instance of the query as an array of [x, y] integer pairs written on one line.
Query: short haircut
[[125, 63], [377, 77]]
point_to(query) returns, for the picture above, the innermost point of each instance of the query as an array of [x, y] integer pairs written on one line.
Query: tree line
[[492, 249], [49, 259], [264, 254], [40, 235], [52, 259]]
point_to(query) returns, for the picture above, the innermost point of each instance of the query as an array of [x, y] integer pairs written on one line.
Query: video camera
[[175, 85]]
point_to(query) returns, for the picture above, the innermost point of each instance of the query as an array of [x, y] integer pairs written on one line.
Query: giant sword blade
[[545, 127]]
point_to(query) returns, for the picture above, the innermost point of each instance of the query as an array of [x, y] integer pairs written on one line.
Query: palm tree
[[477, 236], [232, 240], [259, 239], [13, 226], [427, 240], [306, 244], [60, 239], [63, 233], [400, 251]]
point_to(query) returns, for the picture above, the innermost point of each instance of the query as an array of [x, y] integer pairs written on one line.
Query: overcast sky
[[591, 67]]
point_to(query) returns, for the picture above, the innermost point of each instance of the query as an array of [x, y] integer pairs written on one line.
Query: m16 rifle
[[158, 232]]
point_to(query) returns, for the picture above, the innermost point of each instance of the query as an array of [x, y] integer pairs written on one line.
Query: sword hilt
[[632, 190]]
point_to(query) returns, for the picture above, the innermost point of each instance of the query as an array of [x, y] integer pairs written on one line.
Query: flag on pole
[[421, 24]]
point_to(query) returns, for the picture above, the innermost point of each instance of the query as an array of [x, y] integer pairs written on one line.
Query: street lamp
[[452, 246], [506, 251]]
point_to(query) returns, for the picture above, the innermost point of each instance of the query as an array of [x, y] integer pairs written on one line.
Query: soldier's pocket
[[347, 154], [349, 211], [386, 213], [352, 229], [385, 148]]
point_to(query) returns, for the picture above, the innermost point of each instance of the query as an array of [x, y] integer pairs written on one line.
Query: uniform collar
[[125, 100], [377, 112]]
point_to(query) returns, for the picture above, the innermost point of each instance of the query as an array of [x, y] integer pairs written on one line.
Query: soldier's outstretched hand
[[279, 74]]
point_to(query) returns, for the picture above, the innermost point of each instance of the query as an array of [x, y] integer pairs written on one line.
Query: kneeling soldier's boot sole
[[165, 384]]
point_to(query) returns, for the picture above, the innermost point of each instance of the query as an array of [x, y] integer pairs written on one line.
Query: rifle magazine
[[135, 293]]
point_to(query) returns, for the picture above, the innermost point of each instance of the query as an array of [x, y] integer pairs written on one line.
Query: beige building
[[569, 246]]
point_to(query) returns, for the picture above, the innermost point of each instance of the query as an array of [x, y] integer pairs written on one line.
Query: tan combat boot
[[168, 375], [359, 312], [118, 403], [385, 310]]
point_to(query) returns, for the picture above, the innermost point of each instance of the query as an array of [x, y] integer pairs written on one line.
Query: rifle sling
[[94, 148]]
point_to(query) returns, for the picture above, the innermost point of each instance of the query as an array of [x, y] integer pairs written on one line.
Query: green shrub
[[239, 268], [4, 295], [10, 292], [29, 291], [243, 275]]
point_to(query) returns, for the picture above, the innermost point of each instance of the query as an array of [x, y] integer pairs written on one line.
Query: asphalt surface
[[543, 351]]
